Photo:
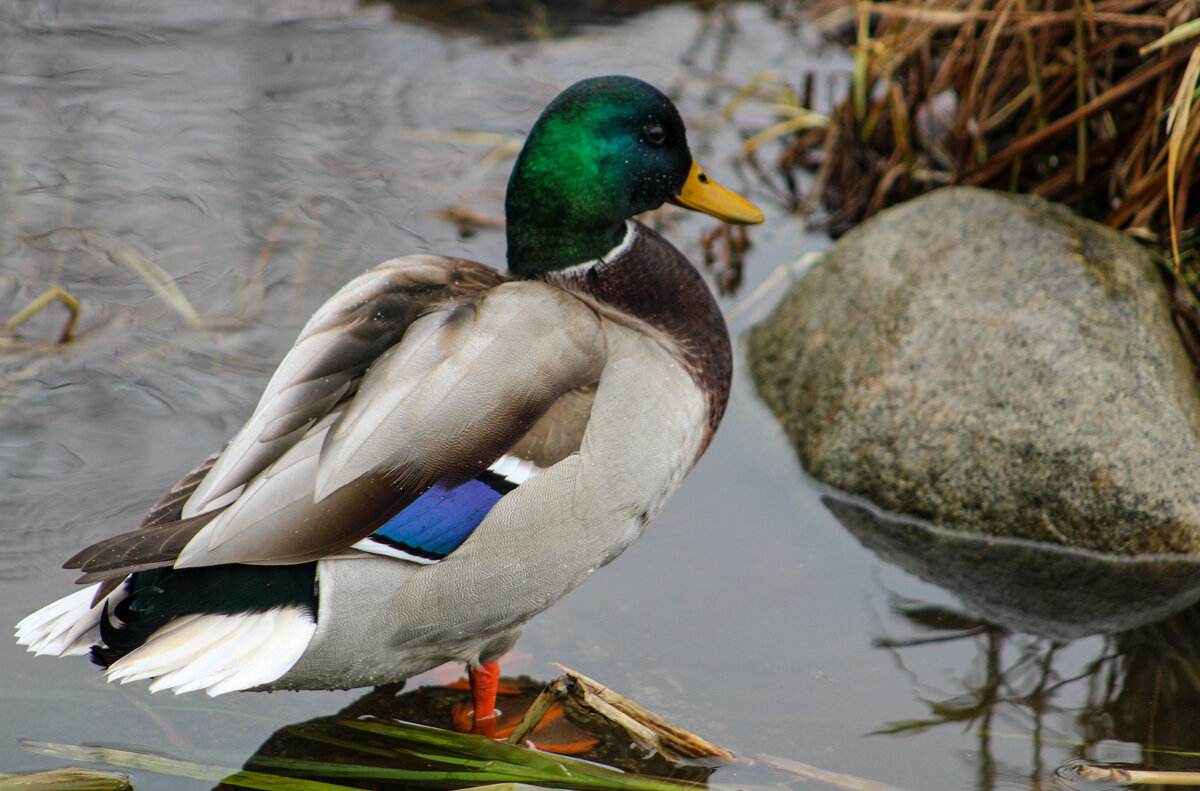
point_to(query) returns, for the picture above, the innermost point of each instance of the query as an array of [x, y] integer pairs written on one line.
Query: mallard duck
[[447, 450]]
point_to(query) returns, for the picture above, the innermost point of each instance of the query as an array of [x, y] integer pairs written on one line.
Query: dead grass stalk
[[1086, 102]]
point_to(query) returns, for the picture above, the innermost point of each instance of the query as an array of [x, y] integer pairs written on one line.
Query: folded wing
[[343, 338], [472, 373]]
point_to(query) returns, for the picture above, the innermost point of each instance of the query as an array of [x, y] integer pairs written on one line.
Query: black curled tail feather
[[116, 640]]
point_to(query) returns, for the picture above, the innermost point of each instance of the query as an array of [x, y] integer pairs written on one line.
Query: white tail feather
[[219, 653], [170, 646], [68, 626], [220, 660], [288, 644]]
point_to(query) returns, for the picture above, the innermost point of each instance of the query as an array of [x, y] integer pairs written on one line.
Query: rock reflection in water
[[1028, 586], [1023, 605]]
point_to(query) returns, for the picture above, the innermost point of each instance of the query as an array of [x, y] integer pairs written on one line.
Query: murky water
[[202, 175]]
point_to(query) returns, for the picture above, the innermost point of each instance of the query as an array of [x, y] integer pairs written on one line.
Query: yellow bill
[[703, 194]]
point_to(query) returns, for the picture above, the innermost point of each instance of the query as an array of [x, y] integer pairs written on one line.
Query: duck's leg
[[485, 681]]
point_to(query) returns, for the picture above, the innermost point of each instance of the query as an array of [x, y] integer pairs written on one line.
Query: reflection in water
[[1133, 701], [508, 20], [1029, 586], [1009, 676], [1137, 685], [1151, 692]]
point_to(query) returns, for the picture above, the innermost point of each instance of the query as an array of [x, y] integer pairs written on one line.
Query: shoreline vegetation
[[1089, 104]]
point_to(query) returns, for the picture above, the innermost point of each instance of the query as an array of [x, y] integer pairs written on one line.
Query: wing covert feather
[[337, 345], [558, 433], [449, 404], [170, 506]]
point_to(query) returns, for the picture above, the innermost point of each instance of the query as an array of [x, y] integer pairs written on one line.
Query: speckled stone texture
[[994, 364]]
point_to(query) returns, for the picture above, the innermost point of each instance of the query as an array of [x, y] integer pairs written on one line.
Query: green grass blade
[[1182, 33], [515, 763]]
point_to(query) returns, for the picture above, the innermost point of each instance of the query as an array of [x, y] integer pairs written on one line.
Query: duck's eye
[[655, 135]]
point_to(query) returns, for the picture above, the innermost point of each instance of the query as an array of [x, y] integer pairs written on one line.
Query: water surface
[[203, 174]]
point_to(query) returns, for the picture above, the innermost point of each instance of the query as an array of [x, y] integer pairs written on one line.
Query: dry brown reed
[[1081, 101]]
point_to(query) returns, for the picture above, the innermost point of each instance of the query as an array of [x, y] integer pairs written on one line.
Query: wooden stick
[[1096, 774], [536, 711], [648, 730]]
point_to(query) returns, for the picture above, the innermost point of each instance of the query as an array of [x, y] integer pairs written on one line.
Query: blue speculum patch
[[439, 521]]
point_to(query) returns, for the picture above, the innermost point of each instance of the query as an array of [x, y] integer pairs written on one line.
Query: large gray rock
[[994, 364]]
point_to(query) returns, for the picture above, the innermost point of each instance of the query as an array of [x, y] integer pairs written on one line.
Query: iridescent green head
[[604, 150]]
